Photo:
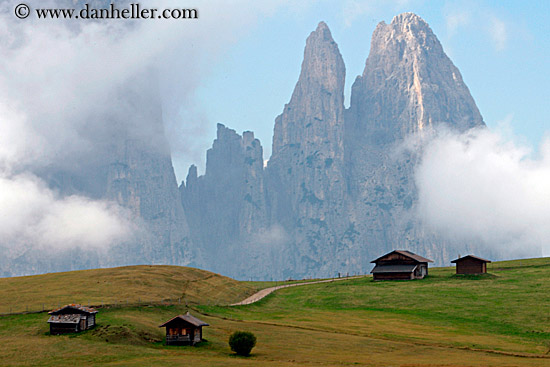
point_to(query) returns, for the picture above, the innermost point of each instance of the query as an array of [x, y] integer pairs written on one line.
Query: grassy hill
[[501, 319], [116, 286]]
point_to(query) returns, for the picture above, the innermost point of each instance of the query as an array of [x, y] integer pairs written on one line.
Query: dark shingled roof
[[408, 254], [75, 307], [189, 318], [393, 269], [472, 257]]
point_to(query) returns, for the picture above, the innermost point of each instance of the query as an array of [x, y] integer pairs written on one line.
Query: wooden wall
[[471, 266]]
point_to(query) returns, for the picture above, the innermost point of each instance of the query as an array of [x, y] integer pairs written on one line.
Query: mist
[[482, 186], [33, 214], [72, 90]]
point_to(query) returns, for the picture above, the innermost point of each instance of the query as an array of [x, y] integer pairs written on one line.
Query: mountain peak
[[323, 65], [321, 35], [408, 28], [322, 26], [410, 83], [408, 18], [320, 85]]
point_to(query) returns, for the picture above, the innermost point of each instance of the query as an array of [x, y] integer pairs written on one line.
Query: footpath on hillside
[[264, 292]]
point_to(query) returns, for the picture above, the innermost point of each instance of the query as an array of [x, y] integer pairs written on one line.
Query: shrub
[[242, 342]]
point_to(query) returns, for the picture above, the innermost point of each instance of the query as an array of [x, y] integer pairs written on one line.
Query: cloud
[[66, 81], [272, 237], [32, 214], [353, 10], [481, 187], [499, 33], [456, 20]]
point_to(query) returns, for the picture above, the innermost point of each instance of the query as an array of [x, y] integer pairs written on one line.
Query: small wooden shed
[[400, 265], [471, 264], [184, 330], [71, 319]]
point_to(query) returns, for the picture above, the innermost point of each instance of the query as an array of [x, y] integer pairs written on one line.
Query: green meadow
[[499, 319]]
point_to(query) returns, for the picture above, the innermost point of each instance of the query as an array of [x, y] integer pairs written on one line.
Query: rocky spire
[[304, 173], [226, 205], [409, 84], [317, 104]]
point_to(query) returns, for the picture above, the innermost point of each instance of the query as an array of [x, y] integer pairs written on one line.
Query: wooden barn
[[184, 330], [71, 319], [400, 265], [471, 264]]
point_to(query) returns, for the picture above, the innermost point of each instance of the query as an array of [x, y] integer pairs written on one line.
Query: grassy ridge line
[[129, 284]]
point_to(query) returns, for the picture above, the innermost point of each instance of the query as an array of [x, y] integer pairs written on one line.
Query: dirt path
[[264, 292]]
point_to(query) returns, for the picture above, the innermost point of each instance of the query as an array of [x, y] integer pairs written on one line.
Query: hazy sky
[[502, 49]]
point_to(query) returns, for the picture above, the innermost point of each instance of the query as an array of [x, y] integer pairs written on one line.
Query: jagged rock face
[[305, 181], [143, 180], [314, 115], [226, 205], [337, 186], [141, 177], [409, 86]]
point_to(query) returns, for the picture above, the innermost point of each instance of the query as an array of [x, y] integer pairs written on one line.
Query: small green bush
[[242, 342]]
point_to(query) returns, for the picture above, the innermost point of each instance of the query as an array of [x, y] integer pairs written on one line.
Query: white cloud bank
[[481, 187], [31, 214]]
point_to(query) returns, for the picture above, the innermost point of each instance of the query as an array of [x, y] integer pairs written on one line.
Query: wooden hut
[[184, 330], [400, 265], [471, 264], [71, 319]]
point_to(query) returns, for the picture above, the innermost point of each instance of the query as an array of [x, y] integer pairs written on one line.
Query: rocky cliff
[[408, 87], [339, 189], [306, 186], [227, 205], [140, 177]]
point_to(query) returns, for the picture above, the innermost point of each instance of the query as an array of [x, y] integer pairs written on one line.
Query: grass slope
[[502, 319], [129, 284]]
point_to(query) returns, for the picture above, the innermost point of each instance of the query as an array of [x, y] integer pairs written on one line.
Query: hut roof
[[75, 306], [471, 257], [408, 254], [393, 269], [65, 319], [187, 317]]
